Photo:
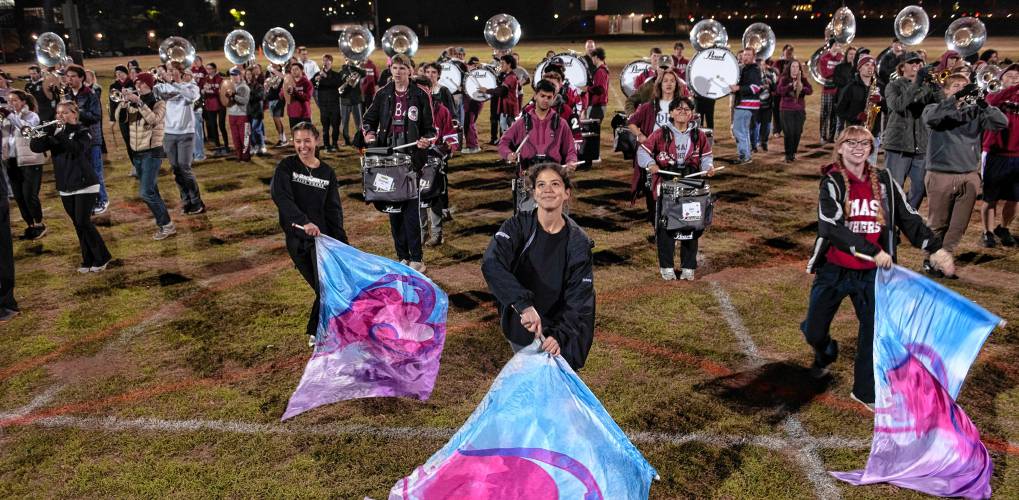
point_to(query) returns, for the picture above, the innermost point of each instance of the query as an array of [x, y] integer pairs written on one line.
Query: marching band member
[[256, 108], [91, 116], [843, 74], [237, 112], [297, 95], [905, 135], [539, 267], [327, 84], [760, 127], [215, 113], [433, 214], [854, 97], [748, 101], [23, 166], [8, 305], [649, 117], [547, 134], [676, 146], [952, 179], [198, 75], [679, 63], [277, 105], [400, 114], [1001, 172], [38, 87], [440, 94], [860, 207], [826, 66], [309, 66], [77, 182], [776, 106], [505, 94], [180, 94], [472, 109], [793, 87], [351, 98], [598, 90], [306, 193], [146, 122], [121, 82]]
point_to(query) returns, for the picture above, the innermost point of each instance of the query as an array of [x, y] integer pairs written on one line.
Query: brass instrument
[[873, 108], [400, 40], [239, 47], [912, 25], [274, 78], [177, 49], [502, 32], [966, 36], [278, 46], [50, 50], [40, 130], [708, 34], [761, 38], [356, 43]]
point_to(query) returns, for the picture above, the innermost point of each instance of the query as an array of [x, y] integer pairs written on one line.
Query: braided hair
[[857, 132]]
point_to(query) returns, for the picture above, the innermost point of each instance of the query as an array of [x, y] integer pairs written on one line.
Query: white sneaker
[[405, 262], [686, 274], [311, 341], [869, 406], [98, 269], [668, 273], [101, 208], [165, 232], [84, 270], [418, 266]]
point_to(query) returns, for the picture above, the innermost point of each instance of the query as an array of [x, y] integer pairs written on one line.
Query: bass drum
[[711, 72], [575, 67], [814, 66], [451, 77], [480, 77], [628, 77]]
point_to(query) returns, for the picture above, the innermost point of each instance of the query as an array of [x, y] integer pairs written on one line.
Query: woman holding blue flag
[[540, 268], [307, 195], [859, 208]]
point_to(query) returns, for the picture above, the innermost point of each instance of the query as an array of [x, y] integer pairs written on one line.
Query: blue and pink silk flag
[[539, 434], [926, 337], [381, 330]]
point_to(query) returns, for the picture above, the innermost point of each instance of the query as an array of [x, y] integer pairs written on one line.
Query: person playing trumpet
[[1001, 172], [23, 167]]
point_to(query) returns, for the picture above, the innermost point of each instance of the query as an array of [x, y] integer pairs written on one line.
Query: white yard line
[[735, 322], [37, 402]]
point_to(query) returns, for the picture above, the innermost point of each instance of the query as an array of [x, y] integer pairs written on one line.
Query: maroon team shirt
[[860, 219]]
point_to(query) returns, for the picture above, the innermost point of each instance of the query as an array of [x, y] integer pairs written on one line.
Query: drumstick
[[703, 172], [409, 144]]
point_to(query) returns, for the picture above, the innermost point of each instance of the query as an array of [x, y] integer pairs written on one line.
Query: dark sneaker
[[8, 314], [988, 240], [1005, 236], [38, 232], [447, 216], [824, 359], [27, 234], [197, 209], [434, 241], [869, 406], [931, 270]]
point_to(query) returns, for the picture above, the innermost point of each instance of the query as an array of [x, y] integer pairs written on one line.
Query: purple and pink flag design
[[539, 434], [381, 330], [926, 337]]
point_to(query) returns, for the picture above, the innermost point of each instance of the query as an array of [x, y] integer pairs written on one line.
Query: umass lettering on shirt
[[863, 208]]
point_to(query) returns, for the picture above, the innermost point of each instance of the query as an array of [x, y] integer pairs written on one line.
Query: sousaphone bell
[[50, 50], [843, 25], [966, 36], [708, 34], [177, 49], [912, 25], [761, 38], [400, 40], [356, 43], [239, 47], [278, 46], [502, 32]]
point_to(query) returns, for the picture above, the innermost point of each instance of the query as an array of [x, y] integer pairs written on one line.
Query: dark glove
[[5, 111], [921, 74], [982, 103], [968, 90]]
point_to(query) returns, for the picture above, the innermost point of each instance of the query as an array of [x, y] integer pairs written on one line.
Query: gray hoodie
[[240, 106], [956, 134]]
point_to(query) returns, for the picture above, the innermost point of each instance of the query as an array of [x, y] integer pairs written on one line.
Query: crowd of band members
[[181, 113]]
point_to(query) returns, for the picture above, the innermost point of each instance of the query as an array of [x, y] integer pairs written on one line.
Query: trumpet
[[119, 95], [40, 130]]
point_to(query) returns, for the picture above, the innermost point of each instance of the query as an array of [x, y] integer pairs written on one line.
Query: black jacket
[[852, 100], [573, 326], [832, 229], [72, 166], [379, 116], [305, 195], [843, 74], [256, 101], [328, 85], [351, 94]]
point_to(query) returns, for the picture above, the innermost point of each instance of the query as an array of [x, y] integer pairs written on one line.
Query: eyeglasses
[[857, 144]]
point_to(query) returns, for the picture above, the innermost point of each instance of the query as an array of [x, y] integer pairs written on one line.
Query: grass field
[[166, 375]]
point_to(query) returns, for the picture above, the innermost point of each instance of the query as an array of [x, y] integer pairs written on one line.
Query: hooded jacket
[[905, 131], [660, 149], [146, 123], [573, 325], [72, 165], [831, 220], [180, 100], [957, 133]]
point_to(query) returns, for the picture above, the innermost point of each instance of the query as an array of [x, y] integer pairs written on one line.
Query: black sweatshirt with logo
[[303, 194]]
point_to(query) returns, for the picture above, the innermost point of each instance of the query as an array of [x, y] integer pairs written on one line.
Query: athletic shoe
[[823, 359], [196, 209], [101, 208], [419, 267], [311, 341], [8, 314], [199, 158], [988, 240], [686, 274], [405, 262], [84, 270], [434, 241], [27, 233], [98, 269], [668, 273], [869, 406], [1005, 236], [931, 270], [470, 151], [165, 232], [447, 216], [38, 232]]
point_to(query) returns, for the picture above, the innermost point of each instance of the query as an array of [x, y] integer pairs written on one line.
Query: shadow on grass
[[781, 387]]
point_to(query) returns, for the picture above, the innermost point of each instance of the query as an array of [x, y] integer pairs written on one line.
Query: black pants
[[596, 112], [706, 108], [302, 252], [493, 104], [406, 229], [792, 130], [93, 248], [666, 243], [25, 182], [776, 126], [832, 284], [215, 124], [6, 253], [330, 115]]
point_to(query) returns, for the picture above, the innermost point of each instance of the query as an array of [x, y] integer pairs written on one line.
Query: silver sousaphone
[[400, 40], [278, 46], [841, 29], [239, 47], [356, 43], [761, 38], [177, 49], [966, 36], [912, 25], [502, 32], [708, 34], [50, 50]]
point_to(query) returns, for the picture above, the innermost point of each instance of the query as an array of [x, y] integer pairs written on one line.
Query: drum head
[[711, 72], [451, 77], [628, 77], [480, 77], [575, 68]]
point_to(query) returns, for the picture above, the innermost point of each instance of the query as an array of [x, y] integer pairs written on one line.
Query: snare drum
[[451, 77], [685, 205], [523, 195], [628, 77], [575, 68], [477, 78], [433, 180], [388, 178], [711, 72]]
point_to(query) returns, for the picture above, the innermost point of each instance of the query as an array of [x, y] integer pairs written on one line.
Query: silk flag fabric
[[381, 330], [539, 434], [925, 339]]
